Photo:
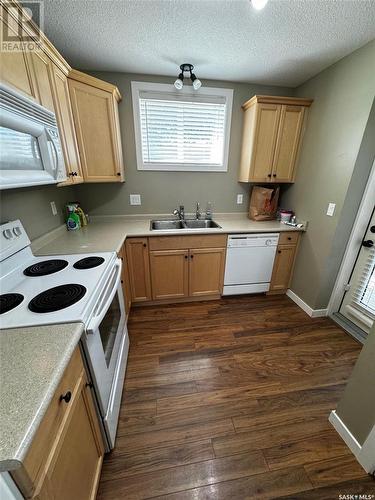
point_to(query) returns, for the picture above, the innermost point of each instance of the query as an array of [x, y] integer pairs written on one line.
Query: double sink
[[172, 225]]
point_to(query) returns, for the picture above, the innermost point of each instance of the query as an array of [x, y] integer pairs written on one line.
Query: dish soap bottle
[[72, 222], [209, 210]]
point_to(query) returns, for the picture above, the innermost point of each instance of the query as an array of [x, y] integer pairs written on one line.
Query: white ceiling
[[285, 44]]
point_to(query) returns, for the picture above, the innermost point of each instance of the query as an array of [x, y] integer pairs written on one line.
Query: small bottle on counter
[[209, 210]]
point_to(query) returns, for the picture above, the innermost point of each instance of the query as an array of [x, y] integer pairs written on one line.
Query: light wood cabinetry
[[95, 112], [179, 267], [15, 66], [284, 261], [64, 118], [139, 269], [42, 70], [206, 271], [169, 274], [65, 457], [272, 135]]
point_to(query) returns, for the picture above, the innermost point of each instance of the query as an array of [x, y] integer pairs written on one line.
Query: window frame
[[187, 90]]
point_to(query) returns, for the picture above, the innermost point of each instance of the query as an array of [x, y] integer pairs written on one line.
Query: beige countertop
[[107, 234], [32, 361]]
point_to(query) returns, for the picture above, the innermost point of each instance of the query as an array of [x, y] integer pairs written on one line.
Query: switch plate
[[135, 199], [331, 209], [239, 199], [53, 208]]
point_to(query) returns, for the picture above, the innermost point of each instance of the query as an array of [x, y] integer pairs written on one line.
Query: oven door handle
[[103, 308]]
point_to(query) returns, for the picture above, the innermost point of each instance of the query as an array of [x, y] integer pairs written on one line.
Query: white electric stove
[[82, 288]]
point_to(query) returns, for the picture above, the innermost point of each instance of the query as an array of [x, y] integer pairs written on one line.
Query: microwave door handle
[[97, 318], [55, 152]]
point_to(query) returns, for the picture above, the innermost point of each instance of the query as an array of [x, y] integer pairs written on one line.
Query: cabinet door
[[267, 121], [66, 126], [287, 144], [206, 271], [282, 267], [41, 66], [97, 126], [139, 269], [15, 67], [169, 274], [74, 472]]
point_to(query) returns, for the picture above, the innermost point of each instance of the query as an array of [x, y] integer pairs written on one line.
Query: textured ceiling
[[284, 44]]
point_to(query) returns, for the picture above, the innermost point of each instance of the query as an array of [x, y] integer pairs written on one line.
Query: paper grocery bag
[[263, 203]]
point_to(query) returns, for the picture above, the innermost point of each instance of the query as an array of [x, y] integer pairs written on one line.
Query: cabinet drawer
[[189, 241], [50, 427], [289, 238]]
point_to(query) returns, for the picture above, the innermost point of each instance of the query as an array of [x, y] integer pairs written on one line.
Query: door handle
[[368, 243]]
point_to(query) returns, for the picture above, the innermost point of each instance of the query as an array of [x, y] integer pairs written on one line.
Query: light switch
[[135, 199], [239, 199], [53, 208], [331, 209]]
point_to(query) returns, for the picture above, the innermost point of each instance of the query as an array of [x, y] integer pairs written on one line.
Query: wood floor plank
[[120, 463], [216, 392], [184, 477], [335, 470], [280, 436], [262, 486], [293, 453]]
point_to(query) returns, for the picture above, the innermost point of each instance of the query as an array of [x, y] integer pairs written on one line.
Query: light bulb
[[197, 84], [259, 4], [178, 84]]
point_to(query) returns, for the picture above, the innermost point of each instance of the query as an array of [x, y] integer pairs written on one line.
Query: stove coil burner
[[88, 262], [56, 298], [9, 301], [45, 267]]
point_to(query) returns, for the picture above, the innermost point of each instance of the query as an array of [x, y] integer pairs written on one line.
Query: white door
[[358, 304]]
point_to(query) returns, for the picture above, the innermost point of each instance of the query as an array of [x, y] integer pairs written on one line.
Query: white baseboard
[[365, 454], [313, 313]]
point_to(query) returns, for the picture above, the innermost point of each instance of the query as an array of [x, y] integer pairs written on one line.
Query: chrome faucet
[[180, 212], [198, 212]]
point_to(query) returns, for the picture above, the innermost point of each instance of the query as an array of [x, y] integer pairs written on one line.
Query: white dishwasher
[[249, 263]]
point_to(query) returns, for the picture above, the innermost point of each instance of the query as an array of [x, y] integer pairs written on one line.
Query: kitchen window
[[181, 130]]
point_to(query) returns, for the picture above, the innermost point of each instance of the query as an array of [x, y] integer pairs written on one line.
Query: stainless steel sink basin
[[172, 225], [166, 225], [201, 224]]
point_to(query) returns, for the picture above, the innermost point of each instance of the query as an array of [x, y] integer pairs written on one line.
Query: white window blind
[[364, 293], [181, 131]]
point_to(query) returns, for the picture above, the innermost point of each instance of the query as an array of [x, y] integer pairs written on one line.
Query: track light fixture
[[179, 83]]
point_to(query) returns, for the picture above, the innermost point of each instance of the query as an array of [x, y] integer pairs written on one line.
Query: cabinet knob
[[145, 245], [71, 174], [89, 384], [279, 251], [186, 256], [119, 173], [66, 397], [191, 256], [274, 175], [289, 238], [269, 175]]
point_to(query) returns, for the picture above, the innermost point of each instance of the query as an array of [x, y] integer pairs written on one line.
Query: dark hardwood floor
[[230, 399]]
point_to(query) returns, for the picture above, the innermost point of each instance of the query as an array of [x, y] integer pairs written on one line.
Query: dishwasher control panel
[[253, 240]]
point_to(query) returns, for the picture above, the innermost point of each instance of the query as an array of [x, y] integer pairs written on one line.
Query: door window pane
[[19, 151], [108, 328]]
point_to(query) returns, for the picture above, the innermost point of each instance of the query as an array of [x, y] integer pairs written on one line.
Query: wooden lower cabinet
[[284, 262], [65, 457], [206, 271], [169, 274], [139, 269]]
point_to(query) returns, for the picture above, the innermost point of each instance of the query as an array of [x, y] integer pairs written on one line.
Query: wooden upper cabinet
[[169, 274], [66, 125], [95, 111], [139, 269], [16, 67], [43, 79], [288, 140], [271, 138], [206, 271]]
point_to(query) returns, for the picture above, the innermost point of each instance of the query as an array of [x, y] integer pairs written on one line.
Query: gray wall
[[32, 206], [357, 406], [162, 191], [343, 95]]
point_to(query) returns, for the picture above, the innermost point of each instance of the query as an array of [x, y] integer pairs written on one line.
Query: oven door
[[104, 337]]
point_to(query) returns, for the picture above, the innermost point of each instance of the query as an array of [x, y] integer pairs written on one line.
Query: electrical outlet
[[239, 199], [53, 208], [135, 199], [331, 209]]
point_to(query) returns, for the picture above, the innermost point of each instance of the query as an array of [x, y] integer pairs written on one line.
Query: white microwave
[[30, 150]]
